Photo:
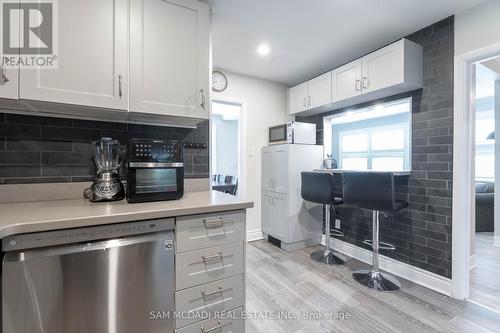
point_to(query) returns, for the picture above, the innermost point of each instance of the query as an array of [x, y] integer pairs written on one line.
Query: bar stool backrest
[[369, 190], [317, 187]]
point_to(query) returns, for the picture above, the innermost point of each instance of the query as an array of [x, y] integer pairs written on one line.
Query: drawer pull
[[218, 327], [213, 292], [217, 256], [209, 224]]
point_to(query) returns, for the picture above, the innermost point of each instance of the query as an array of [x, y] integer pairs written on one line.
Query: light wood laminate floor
[[485, 277], [278, 282]]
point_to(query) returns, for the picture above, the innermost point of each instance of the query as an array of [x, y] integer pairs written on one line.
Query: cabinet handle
[[358, 85], [309, 101], [219, 326], [365, 82], [5, 79], [210, 224], [120, 92], [305, 102], [217, 256], [213, 292], [202, 99]]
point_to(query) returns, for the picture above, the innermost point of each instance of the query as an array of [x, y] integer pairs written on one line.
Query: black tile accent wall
[[35, 149], [421, 233]]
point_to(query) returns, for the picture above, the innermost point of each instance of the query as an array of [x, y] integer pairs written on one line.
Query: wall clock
[[219, 81]]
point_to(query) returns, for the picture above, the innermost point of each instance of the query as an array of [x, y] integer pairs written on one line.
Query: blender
[[107, 185]]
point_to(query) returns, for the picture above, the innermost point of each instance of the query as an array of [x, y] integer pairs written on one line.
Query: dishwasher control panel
[[85, 234]]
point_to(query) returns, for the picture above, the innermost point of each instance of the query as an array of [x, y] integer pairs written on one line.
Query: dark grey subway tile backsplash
[[36, 149], [421, 233]]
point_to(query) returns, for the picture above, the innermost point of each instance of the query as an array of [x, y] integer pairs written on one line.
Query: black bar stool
[[373, 191], [318, 187]]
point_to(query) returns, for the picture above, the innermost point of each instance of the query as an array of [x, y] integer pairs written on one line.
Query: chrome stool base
[[376, 280], [328, 257]]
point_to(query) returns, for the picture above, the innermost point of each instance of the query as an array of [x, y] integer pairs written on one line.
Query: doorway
[[485, 251], [226, 139]]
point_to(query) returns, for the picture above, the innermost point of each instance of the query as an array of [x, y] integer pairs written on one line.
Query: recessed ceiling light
[[263, 49]]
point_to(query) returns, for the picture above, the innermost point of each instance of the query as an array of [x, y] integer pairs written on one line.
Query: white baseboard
[[496, 241], [254, 235], [472, 261], [411, 273]]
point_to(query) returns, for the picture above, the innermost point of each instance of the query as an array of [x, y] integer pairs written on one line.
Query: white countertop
[[395, 173], [25, 217]]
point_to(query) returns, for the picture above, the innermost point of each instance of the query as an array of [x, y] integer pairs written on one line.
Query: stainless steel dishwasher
[[107, 279]]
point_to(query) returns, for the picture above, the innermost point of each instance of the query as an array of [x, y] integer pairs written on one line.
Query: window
[[375, 148], [374, 138], [485, 147]]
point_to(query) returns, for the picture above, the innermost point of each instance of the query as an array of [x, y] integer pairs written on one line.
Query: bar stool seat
[[318, 187], [373, 191]]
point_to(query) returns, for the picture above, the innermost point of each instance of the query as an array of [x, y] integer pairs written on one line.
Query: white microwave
[[293, 132]]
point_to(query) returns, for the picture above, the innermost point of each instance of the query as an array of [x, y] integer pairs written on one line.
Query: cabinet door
[[9, 83], [169, 57], [320, 90], [280, 216], [280, 169], [267, 168], [9, 87], [383, 68], [92, 57], [297, 98], [266, 212], [346, 81]]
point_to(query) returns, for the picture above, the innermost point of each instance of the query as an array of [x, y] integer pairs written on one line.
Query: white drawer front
[[230, 322], [218, 296], [206, 265], [201, 231]]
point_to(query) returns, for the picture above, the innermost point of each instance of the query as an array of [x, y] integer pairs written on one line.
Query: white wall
[[264, 105], [477, 27]]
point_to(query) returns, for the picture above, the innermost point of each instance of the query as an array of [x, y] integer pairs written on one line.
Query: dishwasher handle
[[166, 238]]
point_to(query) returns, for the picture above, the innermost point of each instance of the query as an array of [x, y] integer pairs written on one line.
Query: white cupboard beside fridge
[[285, 216]]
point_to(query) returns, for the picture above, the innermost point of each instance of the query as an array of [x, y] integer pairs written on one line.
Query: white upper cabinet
[[391, 70], [311, 94], [8, 77], [169, 57], [92, 57], [346, 81], [9, 83], [383, 68], [320, 90], [298, 98]]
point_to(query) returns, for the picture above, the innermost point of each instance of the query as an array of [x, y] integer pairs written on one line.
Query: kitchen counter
[[25, 217], [395, 173]]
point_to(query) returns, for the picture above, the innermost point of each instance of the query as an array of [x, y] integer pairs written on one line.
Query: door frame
[[242, 141], [463, 204]]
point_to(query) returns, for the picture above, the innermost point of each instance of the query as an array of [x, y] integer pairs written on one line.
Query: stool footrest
[[382, 245], [336, 233]]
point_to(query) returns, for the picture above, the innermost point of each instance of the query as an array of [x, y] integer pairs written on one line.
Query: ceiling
[[310, 37]]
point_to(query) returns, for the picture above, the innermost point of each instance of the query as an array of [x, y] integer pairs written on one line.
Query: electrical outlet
[[337, 224]]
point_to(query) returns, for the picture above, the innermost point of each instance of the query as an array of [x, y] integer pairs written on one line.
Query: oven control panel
[[145, 150]]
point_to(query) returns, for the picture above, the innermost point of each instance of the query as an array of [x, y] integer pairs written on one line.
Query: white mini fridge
[[285, 216]]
